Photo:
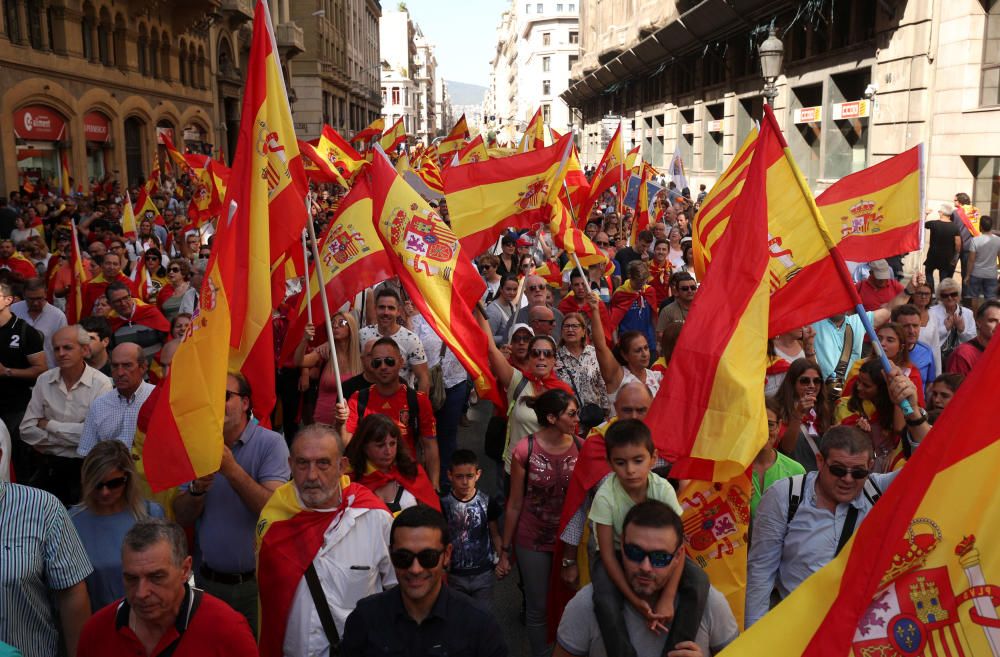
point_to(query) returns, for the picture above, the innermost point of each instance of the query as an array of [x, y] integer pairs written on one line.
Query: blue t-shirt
[[472, 550], [102, 538]]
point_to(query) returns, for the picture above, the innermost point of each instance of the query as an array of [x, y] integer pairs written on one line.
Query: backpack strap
[[527, 461], [872, 494], [872, 491], [795, 486], [363, 396], [413, 404]]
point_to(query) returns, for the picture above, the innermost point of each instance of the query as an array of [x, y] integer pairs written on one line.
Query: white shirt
[[409, 344], [65, 410], [451, 369], [936, 315], [352, 563], [47, 323], [113, 417]]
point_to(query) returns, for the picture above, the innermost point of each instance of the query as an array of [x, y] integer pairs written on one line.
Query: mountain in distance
[[463, 93]]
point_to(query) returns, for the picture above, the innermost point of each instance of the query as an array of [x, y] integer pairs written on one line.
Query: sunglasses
[[542, 353], [839, 471], [603, 243], [485, 267], [153, 258], [388, 360], [536, 288], [230, 394], [571, 327], [403, 559], [805, 380], [174, 270], [657, 558], [550, 322], [521, 338], [949, 295], [113, 484], [340, 322], [687, 288]]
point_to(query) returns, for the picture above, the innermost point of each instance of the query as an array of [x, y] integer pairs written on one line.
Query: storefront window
[[38, 130], [712, 155], [804, 139], [847, 133], [685, 140], [986, 189]]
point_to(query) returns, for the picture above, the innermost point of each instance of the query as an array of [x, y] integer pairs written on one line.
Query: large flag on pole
[[474, 151], [455, 139], [877, 212], [78, 277], [440, 280], [610, 171], [130, 230], [372, 131], [334, 158], [921, 576], [534, 135], [676, 169], [233, 328], [393, 137], [487, 198]]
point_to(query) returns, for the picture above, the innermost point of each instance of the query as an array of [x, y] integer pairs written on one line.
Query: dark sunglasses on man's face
[[174, 270], [113, 484], [536, 288], [839, 471], [403, 559], [949, 295], [657, 558], [603, 243], [687, 288], [388, 360], [521, 338]]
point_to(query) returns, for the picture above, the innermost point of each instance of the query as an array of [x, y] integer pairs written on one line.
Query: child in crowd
[[631, 454], [472, 524]]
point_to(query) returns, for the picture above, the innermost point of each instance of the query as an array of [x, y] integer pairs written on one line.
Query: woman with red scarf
[[378, 464]]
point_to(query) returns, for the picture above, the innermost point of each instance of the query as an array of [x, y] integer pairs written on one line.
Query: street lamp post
[[771, 53]]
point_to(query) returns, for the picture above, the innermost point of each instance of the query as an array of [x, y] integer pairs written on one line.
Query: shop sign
[[855, 109], [808, 115], [164, 132], [193, 133], [38, 122], [96, 127], [715, 126], [687, 129]]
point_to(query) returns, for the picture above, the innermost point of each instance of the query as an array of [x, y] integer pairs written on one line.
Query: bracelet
[[566, 563], [507, 549], [192, 491], [920, 420]]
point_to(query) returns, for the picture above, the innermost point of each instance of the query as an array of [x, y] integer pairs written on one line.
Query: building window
[[546, 87], [572, 60], [10, 21], [527, 8], [546, 64], [990, 90], [546, 39], [395, 95], [546, 113], [572, 8], [559, 8], [986, 189], [574, 37], [539, 8]]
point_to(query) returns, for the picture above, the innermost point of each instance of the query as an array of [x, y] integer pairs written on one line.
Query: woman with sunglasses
[[378, 464], [151, 276], [541, 468], [892, 339], [178, 296], [488, 264], [576, 362], [628, 362], [873, 409], [345, 337], [110, 505], [953, 322], [806, 412], [525, 266], [770, 465]]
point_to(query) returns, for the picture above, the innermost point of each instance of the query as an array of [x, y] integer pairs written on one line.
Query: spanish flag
[[78, 278], [373, 131], [232, 331], [572, 240], [921, 576], [877, 212], [393, 137], [576, 188], [129, 226], [534, 135], [440, 280], [67, 187], [429, 172], [486, 198], [147, 210], [289, 537], [641, 219], [610, 172], [352, 259], [474, 151], [335, 159], [455, 139], [711, 416]]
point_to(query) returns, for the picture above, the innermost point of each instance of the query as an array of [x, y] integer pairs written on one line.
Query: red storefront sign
[[96, 127], [39, 123]]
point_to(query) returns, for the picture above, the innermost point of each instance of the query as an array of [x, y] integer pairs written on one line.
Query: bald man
[[536, 292], [113, 415]]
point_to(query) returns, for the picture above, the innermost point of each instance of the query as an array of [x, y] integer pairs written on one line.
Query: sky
[[463, 32]]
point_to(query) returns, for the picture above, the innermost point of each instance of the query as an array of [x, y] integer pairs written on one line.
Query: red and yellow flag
[[576, 190], [373, 131], [474, 151], [147, 210], [455, 139], [610, 172], [440, 280], [487, 198], [877, 212], [534, 135], [67, 187], [78, 278], [232, 331], [711, 416], [641, 218], [430, 173], [393, 137], [572, 240], [335, 160], [130, 230], [921, 576]]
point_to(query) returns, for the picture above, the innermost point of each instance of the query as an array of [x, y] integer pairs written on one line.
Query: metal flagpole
[[305, 259], [326, 309]]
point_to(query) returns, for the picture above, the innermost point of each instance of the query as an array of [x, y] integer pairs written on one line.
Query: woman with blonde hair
[[345, 336], [110, 505]]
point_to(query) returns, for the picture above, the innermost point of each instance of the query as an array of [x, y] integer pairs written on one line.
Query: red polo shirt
[[876, 297], [213, 630]]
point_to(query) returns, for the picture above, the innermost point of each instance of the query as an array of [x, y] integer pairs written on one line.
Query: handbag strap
[[845, 352], [572, 381], [323, 609]]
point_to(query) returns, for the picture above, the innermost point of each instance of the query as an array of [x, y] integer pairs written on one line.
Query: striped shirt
[[113, 417], [40, 552]]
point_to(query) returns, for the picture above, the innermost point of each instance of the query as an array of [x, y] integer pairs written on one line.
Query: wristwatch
[[566, 563], [920, 420]]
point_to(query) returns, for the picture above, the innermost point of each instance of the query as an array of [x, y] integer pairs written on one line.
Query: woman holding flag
[[628, 362]]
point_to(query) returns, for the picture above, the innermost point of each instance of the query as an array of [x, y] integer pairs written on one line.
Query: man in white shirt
[[351, 556], [113, 415], [54, 419], [40, 314], [388, 307]]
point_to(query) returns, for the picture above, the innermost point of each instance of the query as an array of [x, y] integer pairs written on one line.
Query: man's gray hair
[[320, 430], [147, 533]]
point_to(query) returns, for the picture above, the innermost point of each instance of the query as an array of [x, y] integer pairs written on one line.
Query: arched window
[[104, 37], [87, 25], [33, 11], [142, 42], [165, 57], [120, 35], [134, 139], [154, 53], [202, 65], [191, 65], [182, 62]]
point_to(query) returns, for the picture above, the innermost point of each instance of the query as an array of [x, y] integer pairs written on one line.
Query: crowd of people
[[397, 541]]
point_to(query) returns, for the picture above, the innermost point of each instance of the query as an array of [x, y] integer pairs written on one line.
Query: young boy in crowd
[[472, 524], [631, 455]]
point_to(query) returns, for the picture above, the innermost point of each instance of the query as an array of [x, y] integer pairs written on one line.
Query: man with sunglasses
[[794, 535], [388, 309], [111, 272], [536, 291], [422, 616], [651, 552], [682, 288]]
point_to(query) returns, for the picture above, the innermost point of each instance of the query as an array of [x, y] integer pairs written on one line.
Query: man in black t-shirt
[[22, 360], [944, 246]]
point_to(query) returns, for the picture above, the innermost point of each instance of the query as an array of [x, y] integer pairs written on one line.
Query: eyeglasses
[[485, 267], [687, 288], [231, 393], [542, 353], [389, 361], [571, 327], [550, 322], [921, 294], [403, 559], [839, 471], [527, 265], [603, 243], [949, 295], [805, 380], [521, 338], [174, 270], [113, 484], [153, 257], [657, 558], [536, 288]]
